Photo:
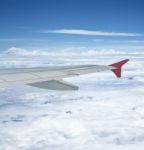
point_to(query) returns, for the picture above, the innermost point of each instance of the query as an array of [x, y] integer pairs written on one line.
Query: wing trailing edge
[[59, 85]]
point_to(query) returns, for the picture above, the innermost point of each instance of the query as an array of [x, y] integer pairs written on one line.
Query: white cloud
[[90, 32], [70, 52]]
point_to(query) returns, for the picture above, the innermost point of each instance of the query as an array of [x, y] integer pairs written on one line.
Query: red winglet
[[118, 66]]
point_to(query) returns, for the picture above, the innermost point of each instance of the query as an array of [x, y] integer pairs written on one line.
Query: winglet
[[117, 67]]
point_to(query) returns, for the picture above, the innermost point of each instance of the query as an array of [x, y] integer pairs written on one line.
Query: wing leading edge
[[51, 77]]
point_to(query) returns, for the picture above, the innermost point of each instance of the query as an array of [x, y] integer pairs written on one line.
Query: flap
[[60, 85]]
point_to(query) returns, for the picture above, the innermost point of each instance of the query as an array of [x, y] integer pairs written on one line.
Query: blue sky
[[58, 24]]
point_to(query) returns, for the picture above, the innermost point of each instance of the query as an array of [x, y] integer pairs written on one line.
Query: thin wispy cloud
[[90, 32], [136, 42], [22, 40], [9, 40], [119, 41], [128, 42]]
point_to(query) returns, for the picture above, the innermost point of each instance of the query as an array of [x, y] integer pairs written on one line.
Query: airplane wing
[[51, 77]]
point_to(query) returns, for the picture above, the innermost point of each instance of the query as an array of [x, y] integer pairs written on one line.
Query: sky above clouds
[[58, 24]]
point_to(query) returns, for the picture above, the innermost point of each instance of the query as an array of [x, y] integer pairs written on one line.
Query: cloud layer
[[65, 53], [106, 113]]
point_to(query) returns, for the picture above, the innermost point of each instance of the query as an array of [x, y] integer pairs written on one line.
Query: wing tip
[[118, 67]]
